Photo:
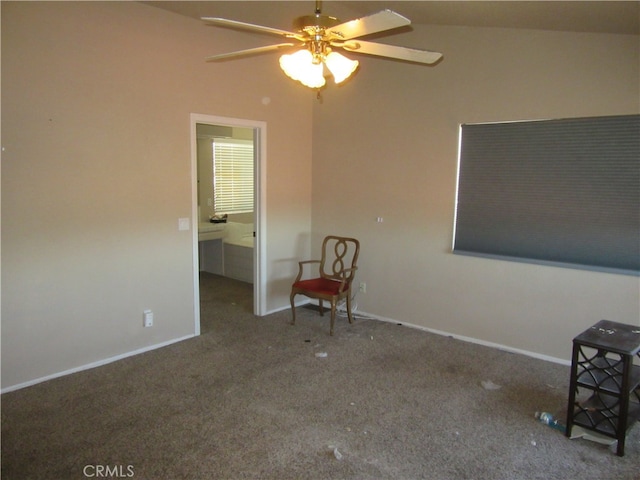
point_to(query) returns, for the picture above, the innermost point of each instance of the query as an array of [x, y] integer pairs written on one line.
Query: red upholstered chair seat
[[323, 286]]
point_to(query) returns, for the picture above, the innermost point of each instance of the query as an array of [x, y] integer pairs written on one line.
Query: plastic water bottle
[[547, 419]]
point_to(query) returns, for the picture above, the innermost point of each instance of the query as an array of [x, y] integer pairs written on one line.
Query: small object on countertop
[[218, 218]]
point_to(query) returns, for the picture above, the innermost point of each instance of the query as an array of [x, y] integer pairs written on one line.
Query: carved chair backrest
[[339, 254]]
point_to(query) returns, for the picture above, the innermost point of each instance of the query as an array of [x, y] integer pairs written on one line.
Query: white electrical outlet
[[148, 318], [363, 287]]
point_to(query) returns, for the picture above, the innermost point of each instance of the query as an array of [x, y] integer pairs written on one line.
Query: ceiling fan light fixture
[[318, 35], [300, 66], [340, 66]]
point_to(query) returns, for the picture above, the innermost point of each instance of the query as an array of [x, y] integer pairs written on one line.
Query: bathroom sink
[[210, 231], [210, 227]]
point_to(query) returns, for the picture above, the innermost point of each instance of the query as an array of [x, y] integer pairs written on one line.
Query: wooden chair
[[337, 269]]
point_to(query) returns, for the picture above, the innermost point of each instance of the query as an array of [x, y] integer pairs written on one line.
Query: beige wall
[[385, 145], [96, 172]]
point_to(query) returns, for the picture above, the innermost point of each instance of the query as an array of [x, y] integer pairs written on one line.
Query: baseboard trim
[[98, 363], [356, 312], [477, 341], [299, 303], [362, 313]]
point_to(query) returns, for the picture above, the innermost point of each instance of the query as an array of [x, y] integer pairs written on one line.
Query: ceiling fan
[[316, 39]]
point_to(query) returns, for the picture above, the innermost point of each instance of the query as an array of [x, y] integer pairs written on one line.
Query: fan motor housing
[[314, 22]]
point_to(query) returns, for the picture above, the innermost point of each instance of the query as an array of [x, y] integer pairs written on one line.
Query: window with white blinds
[[565, 192], [232, 176]]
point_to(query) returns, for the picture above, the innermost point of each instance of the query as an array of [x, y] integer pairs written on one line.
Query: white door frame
[[260, 207]]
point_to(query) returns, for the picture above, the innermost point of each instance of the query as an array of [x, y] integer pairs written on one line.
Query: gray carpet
[[249, 399]]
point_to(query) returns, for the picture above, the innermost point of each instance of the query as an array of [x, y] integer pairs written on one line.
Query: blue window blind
[[552, 191]]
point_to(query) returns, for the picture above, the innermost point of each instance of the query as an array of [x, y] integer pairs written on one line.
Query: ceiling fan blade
[[392, 51], [376, 22], [223, 22], [249, 51]]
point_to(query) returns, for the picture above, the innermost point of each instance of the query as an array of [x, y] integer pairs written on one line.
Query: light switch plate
[[183, 223]]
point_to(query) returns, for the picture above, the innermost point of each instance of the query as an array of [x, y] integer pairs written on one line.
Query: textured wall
[[392, 133], [96, 172]]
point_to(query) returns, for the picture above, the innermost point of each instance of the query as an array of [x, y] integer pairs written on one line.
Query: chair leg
[[333, 316], [293, 309], [321, 307], [349, 308]]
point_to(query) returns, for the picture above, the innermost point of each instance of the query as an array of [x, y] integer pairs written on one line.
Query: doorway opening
[[227, 226]]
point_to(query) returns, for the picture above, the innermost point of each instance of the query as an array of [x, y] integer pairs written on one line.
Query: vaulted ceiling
[[622, 17]]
